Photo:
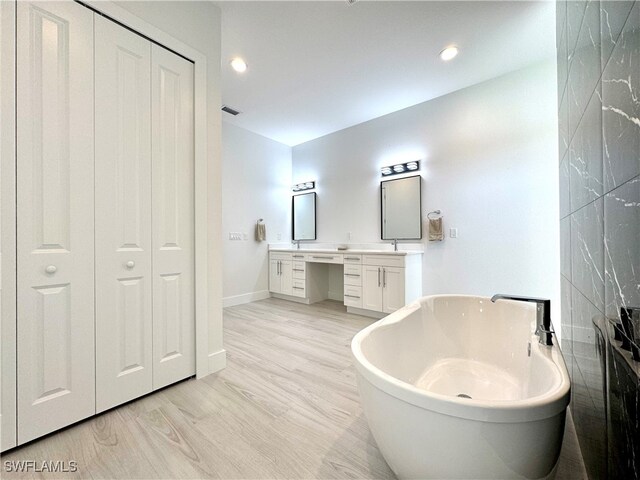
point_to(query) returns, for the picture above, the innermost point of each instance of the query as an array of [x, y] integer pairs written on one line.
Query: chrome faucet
[[297, 244], [394, 242], [543, 316]]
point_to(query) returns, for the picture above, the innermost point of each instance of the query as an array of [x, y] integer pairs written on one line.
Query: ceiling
[[319, 67]]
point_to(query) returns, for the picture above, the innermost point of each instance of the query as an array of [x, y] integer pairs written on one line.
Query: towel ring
[[435, 212]]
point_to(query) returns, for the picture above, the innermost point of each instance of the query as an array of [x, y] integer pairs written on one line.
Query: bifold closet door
[[173, 218], [123, 215], [55, 216]]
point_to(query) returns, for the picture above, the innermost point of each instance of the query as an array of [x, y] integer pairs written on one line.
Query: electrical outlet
[[453, 232], [235, 236]]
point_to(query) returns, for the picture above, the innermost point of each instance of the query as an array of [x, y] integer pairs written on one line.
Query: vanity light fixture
[[239, 65], [400, 168], [449, 53], [304, 186]]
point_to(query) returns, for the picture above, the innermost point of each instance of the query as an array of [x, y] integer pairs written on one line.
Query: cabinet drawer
[[352, 258], [299, 274], [384, 260], [279, 256], [299, 265], [324, 258], [353, 296], [298, 288], [352, 275]]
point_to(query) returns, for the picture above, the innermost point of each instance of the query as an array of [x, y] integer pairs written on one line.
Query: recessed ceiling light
[[449, 53], [239, 65]]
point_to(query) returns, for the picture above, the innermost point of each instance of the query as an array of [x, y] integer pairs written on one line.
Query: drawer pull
[[351, 258], [51, 269], [351, 296], [351, 274], [299, 288], [323, 256], [298, 256], [298, 270]]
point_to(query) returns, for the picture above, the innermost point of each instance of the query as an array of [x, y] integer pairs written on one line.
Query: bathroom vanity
[[375, 282]]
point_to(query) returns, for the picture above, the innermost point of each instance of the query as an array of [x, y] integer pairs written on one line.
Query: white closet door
[[123, 215], [173, 218], [55, 304]]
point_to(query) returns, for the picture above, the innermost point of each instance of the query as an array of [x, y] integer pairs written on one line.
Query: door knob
[[51, 269], [131, 264]]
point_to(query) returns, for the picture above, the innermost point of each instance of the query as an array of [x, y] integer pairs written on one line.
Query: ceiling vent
[[230, 110]]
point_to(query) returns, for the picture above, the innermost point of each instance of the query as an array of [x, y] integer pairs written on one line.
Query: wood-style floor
[[286, 406]]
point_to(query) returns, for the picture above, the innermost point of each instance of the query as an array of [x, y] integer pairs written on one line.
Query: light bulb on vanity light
[[412, 166], [449, 53], [239, 65]]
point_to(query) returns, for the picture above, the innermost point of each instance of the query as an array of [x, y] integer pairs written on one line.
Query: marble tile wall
[[598, 56]]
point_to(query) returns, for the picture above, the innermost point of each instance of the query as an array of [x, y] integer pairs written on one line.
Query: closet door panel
[[173, 218], [123, 215], [55, 212]]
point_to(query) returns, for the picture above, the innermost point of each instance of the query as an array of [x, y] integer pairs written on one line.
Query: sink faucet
[[297, 244], [543, 318], [394, 242]]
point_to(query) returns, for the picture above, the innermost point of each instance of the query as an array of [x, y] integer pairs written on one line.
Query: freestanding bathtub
[[459, 387]]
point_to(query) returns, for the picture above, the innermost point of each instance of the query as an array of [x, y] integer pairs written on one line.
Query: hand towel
[[435, 229], [261, 232]]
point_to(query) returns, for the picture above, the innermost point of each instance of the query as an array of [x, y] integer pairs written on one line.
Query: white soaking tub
[[458, 387]]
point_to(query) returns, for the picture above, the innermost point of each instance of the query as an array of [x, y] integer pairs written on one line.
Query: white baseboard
[[245, 298], [366, 313], [217, 360], [291, 298]]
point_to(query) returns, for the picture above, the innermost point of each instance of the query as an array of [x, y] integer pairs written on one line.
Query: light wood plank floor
[[286, 406]]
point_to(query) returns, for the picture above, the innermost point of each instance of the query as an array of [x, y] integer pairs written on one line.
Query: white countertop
[[354, 251]]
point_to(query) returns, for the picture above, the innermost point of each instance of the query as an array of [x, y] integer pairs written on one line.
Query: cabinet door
[[123, 215], [173, 217], [286, 277], [393, 289], [55, 239], [372, 288], [274, 276]]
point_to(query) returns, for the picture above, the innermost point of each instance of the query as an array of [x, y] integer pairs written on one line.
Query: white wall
[[197, 24], [256, 184], [489, 162]]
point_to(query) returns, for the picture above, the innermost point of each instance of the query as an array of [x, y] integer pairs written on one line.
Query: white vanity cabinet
[[280, 273], [353, 280], [374, 283], [385, 279]]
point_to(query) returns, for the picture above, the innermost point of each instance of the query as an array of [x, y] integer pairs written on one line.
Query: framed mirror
[[304, 216], [401, 204]]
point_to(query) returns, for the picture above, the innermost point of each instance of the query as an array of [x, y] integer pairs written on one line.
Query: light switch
[[453, 232]]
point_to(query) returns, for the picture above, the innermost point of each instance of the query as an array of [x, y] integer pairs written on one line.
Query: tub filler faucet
[[543, 318]]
